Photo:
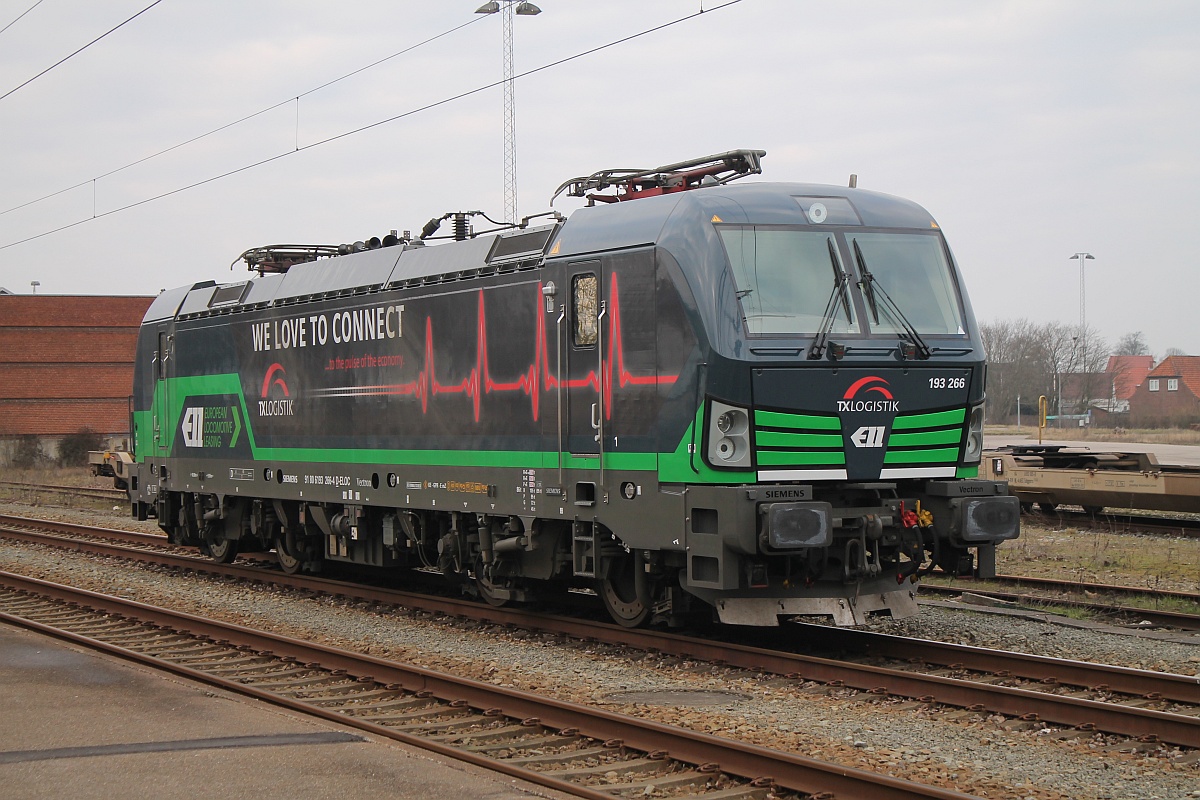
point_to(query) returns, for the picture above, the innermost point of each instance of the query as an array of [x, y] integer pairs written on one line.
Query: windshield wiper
[[868, 284], [840, 279]]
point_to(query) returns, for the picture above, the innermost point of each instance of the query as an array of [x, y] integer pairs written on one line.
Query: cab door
[[163, 369], [585, 351]]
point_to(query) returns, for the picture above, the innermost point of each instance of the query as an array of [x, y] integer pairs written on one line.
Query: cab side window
[[585, 307], [162, 354]]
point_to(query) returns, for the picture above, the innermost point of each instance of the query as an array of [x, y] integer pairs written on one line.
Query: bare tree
[[1132, 344], [1174, 351], [1022, 365], [1027, 360], [1061, 343], [1003, 390], [1090, 365]]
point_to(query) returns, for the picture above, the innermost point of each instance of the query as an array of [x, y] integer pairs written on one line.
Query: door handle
[[596, 416]]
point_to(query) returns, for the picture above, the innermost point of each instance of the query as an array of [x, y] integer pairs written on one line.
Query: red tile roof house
[[1120, 379], [1169, 396], [66, 363]]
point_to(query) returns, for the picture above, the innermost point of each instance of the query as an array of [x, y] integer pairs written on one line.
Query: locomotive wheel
[[492, 594], [1093, 511], [488, 591], [289, 562], [1047, 508], [223, 551], [619, 591]]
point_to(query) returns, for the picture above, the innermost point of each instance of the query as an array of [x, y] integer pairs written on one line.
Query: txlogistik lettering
[[276, 408], [868, 405]]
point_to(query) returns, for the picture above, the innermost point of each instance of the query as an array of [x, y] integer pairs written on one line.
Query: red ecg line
[[533, 381]]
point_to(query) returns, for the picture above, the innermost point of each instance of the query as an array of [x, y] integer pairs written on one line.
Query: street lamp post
[[1058, 396], [506, 9]]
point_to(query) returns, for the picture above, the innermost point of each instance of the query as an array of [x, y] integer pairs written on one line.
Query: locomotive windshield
[[787, 281], [785, 278], [912, 269]]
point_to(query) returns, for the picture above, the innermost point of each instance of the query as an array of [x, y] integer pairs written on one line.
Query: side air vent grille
[[521, 245]]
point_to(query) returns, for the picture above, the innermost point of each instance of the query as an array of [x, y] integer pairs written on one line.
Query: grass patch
[[1102, 556], [57, 476]]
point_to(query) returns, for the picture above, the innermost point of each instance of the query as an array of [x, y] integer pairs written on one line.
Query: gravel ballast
[[971, 753]]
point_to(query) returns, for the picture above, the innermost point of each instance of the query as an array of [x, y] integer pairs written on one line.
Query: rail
[[392, 699], [1112, 698]]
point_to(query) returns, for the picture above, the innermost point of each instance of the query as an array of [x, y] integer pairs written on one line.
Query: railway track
[[1143, 706], [1075, 594], [28, 490], [1116, 521], [576, 749]]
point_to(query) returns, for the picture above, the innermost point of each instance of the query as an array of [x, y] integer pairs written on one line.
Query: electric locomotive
[[763, 399]]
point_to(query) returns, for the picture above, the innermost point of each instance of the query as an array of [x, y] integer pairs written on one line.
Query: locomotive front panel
[[844, 412]]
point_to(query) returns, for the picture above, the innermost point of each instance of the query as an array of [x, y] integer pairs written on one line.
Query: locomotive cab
[[834, 454]]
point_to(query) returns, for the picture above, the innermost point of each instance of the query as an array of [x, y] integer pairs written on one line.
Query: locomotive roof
[[670, 220], [659, 220], [359, 273]]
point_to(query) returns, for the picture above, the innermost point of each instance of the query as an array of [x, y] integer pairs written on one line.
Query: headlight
[[792, 526], [974, 449], [991, 519], [727, 449], [728, 436], [733, 422]]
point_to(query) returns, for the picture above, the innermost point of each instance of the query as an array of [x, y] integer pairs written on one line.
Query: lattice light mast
[[507, 10]]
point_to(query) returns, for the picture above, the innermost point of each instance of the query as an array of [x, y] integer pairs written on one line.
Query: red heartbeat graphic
[[533, 381]]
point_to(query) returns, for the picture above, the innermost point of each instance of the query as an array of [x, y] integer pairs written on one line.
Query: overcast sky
[[1030, 130]]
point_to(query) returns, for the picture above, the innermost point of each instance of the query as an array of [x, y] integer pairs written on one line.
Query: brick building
[[1169, 395], [66, 364]]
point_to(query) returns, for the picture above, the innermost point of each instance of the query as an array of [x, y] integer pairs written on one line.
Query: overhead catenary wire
[[370, 126], [80, 50], [23, 13], [295, 99]]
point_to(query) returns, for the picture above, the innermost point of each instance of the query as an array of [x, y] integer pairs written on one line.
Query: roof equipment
[[632, 184]]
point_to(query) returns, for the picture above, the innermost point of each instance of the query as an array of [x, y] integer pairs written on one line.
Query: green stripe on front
[[940, 455], [926, 438], [937, 419], [798, 440], [779, 458], [776, 419]]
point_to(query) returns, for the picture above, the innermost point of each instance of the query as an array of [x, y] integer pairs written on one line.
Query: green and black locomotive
[[764, 398]]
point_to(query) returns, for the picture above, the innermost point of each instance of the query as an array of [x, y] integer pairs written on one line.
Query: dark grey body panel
[[489, 417]]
